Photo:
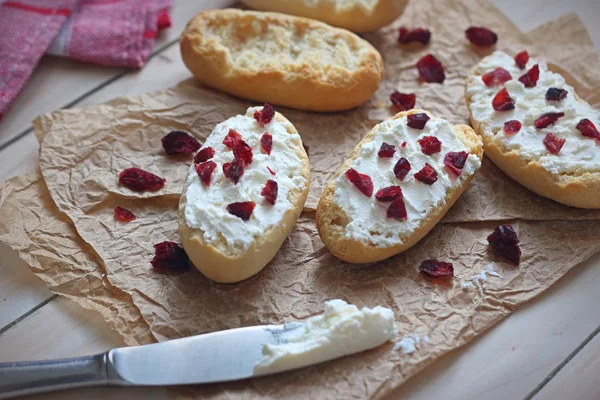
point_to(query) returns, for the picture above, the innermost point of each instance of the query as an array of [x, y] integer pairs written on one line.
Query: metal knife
[[213, 357]]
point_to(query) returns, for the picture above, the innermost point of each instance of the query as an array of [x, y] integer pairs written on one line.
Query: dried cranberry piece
[[306, 149], [505, 242], [455, 161], [530, 78], [386, 150], [243, 151], [361, 181], [269, 192], [415, 35], [139, 180], [588, 129], [417, 121], [502, 101], [397, 209], [271, 171], [556, 94], [205, 154], [402, 168], [179, 142], [430, 145], [242, 209], [389, 193], [169, 255], [521, 59], [480, 36], [496, 77], [427, 175], [403, 145], [232, 138], [205, 171], [431, 69], [437, 268], [264, 116], [511, 127], [234, 170], [404, 101], [266, 143], [547, 119], [553, 143], [122, 214]]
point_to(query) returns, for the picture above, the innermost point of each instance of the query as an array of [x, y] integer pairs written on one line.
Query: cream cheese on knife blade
[[341, 330]]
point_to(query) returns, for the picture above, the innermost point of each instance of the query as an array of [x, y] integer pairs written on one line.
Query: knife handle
[[25, 378]]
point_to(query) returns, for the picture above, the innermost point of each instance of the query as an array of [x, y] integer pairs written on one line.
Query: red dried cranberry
[[306, 149], [431, 69], [481, 37], [264, 116], [553, 143], [232, 138], [455, 161], [243, 151], [361, 181], [205, 154], [416, 35], [123, 214], [521, 59], [205, 171], [556, 94], [179, 142], [437, 268], [271, 171], [505, 242], [403, 145], [547, 119], [389, 193], [139, 180], [404, 101], [496, 77], [269, 192], [242, 209], [530, 78], [427, 175], [402, 168], [502, 101], [234, 170], [169, 255], [588, 129], [417, 121], [430, 145], [397, 209], [266, 143], [387, 150], [511, 127]]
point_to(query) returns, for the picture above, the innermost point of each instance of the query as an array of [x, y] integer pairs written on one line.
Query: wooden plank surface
[[510, 361]]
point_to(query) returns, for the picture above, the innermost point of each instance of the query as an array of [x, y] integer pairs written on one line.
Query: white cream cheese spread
[[369, 221], [579, 153], [341, 330], [206, 205]]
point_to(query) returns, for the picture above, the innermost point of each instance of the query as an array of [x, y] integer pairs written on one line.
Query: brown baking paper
[[83, 151]]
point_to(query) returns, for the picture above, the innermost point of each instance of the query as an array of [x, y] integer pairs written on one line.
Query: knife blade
[[222, 356]]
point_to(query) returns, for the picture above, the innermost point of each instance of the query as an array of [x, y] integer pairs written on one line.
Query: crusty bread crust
[[258, 56], [225, 265], [354, 18], [331, 219], [581, 190]]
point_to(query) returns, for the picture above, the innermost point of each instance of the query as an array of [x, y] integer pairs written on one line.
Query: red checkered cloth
[[117, 33]]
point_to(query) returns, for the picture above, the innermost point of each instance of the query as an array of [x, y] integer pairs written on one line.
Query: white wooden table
[[548, 349]]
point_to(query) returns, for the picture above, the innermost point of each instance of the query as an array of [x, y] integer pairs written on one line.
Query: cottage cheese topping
[[206, 206], [369, 222], [341, 330], [579, 153]]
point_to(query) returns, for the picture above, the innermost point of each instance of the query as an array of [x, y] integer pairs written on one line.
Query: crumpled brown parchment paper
[[63, 225]]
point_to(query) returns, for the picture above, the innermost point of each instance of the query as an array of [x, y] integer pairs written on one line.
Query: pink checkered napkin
[[117, 33]]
